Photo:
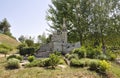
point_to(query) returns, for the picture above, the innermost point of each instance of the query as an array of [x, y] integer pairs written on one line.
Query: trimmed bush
[[94, 65], [111, 56], [31, 58], [5, 46], [39, 63], [77, 63], [102, 57], [69, 57], [13, 63], [15, 56], [80, 51], [27, 51], [4, 51], [93, 52]]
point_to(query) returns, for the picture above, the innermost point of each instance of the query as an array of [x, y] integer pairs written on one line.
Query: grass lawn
[[39, 72]]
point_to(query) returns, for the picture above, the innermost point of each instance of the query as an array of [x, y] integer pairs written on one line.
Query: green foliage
[[103, 57], [103, 66], [22, 39], [71, 56], [80, 51], [38, 63], [93, 52], [57, 53], [21, 46], [94, 65], [100, 66], [5, 27], [111, 56], [5, 46], [13, 63], [77, 63], [31, 58], [29, 42], [4, 51], [80, 62], [53, 60], [27, 51], [62, 61], [15, 56]]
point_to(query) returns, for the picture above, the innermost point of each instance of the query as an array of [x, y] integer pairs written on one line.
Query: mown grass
[[115, 68]]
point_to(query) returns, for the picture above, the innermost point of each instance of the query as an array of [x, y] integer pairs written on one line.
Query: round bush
[[103, 66], [31, 58], [93, 52], [80, 51], [15, 56], [78, 63], [94, 65], [39, 63], [13, 63]]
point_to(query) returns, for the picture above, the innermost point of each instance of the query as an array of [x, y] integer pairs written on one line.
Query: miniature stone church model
[[58, 43]]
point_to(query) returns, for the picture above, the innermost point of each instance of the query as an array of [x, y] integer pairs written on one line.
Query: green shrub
[[31, 58], [53, 60], [5, 46], [4, 51], [15, 56], [94, 65], [102, 57], [80, 51], [111, 56], [27, 51], [62, 61], [93, 52], [38, 63], [57, 53], [78, 63], [13, 63], [103, 66], [69, 57]]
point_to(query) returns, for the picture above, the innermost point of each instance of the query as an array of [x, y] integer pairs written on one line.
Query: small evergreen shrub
[[27, 51], [13, 63], [53, 60], [57, 53], [15, 56], [31, 58], [79, 63], [102, 57], [4, 51], [75, 56], [38, 63], [80, 51], [111, 56], [94, 65], [93, 52]]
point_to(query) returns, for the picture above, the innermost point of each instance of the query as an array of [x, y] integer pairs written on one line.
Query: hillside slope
[[4, 39]]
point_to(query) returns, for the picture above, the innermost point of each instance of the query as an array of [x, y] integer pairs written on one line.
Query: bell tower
[[64, 31]]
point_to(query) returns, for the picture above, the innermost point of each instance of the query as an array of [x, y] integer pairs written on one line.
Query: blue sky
[[26, 17]]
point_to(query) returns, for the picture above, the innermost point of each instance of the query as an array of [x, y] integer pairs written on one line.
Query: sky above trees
[[26, 17]]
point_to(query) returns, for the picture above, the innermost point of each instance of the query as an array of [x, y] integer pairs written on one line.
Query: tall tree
[[87, 20], [42, 38], [5, 27]]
